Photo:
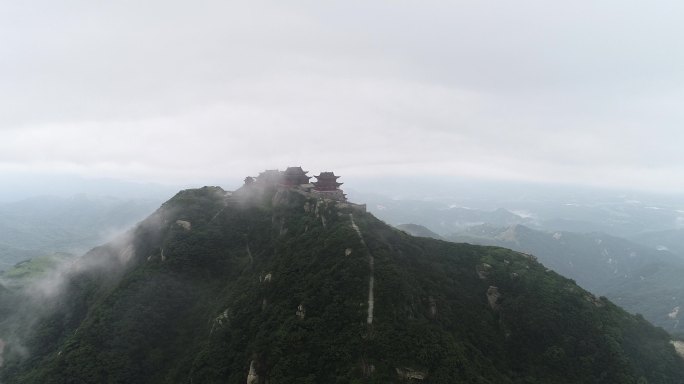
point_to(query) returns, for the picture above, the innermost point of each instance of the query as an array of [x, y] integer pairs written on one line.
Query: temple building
[[294, 176], [326, 182], [327, 186]]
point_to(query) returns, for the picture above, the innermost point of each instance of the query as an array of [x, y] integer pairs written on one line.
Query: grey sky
[[589, 92]]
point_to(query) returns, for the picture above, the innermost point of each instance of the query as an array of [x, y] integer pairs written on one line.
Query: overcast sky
[[587, 92]]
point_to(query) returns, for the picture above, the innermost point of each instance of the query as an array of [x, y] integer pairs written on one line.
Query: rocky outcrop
[[267, 278], [594, 300], [301, 311], [410, 374], [675, 312], [483, 270], [367, 368], [221, 320], [509, 235], [252, 377], [433, 307], [679, 347], [184, 224], [493, 296]]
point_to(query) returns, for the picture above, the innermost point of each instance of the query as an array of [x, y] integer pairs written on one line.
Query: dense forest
[[280, 286]]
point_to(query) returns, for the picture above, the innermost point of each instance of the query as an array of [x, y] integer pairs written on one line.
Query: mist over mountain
[[19, 186], [671, 240], [42, 225], [448, 206], [282, 284]]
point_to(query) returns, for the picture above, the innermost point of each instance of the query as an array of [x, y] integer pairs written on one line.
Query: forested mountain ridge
[[276, 285], [641, 279]]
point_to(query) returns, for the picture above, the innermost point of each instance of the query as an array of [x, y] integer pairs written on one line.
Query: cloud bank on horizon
[[585, 92]]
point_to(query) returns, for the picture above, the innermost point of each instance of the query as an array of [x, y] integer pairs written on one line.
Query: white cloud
[[582, 92]]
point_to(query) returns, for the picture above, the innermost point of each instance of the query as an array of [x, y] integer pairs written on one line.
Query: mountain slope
[[418, 231], [641, 279], [281, 286]]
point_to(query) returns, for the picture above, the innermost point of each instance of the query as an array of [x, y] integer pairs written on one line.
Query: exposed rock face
[[483, 270], [493, 296], [268, 278], [301, 311], [184, 224], [359, 208], [411, 374], [347, 251], [223, 317], [673, 315], [367, 368], [510, 234], [679, 347], [433, 307], [594, 300], [252, 377], [221, 320], [279, 198]]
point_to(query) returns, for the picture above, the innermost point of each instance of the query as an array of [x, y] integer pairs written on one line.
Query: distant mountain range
[[44, 225], [617, 215], [671, 240], [438, 217]]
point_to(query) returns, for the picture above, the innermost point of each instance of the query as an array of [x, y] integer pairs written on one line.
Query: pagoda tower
[[326, 182], [327, 187], [294, 176]]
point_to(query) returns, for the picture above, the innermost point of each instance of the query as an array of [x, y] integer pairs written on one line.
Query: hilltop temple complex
[[325, 186]]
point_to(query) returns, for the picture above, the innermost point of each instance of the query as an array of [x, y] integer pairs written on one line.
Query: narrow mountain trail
[[216, 215], [371, 279], [249, 252]]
